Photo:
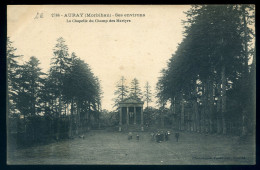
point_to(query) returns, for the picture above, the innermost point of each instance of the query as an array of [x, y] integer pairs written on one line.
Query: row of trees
[[210, 80], [68, 93], [123, 91]]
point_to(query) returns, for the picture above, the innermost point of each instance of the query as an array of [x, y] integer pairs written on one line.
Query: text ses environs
[[93, 15]]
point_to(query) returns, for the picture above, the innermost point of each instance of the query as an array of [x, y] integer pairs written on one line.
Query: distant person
[[157, 137], [166, 136], [177, 135], [82, 136], [137, 137], [152, 135], [162, 136], [130, 135]]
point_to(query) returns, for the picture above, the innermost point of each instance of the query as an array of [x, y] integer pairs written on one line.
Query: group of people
[[160, 136], [130, 136]]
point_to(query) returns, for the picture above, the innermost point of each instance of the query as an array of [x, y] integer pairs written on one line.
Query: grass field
[[102, 147]]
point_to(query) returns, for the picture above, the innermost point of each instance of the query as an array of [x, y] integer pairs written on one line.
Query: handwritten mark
[[38, 15]]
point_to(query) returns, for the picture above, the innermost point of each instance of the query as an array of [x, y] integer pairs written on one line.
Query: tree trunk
[[65, 110], [162, 118], [59, 113], [71, 119], [246, 70], [59, 119], [245, 41], [189, 121], [210, 105], [206, 106], [244, 129], [195, 119], [88, 117], [202, 110], [182, 113], [223, 79], [77, 119], [174, 112], [219, 109], [196, 114]]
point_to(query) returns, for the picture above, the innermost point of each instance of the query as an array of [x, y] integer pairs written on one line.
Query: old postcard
[[131, 84]]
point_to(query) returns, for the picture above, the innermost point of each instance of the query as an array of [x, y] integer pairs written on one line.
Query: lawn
[[103, 147]]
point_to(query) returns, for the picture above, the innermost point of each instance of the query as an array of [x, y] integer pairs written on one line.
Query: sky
[[137, 49]]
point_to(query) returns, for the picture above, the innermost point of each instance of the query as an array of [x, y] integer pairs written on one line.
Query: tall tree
[[121, 91], [82, 89], [147, 94], [135, 90], [211, 53], [12, 76], [60, 63], [69, 84], [247, 13], [30, 83], [28, 97]]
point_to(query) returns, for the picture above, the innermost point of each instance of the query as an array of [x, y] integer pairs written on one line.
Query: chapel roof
[[131, 100]]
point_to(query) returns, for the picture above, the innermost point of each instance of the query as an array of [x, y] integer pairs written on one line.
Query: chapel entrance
[[131, 112]]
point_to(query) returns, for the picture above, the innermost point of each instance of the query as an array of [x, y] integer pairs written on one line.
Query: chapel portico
[[131, 112]]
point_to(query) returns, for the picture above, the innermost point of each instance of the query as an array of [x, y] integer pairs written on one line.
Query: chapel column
[[127, 115], [120, 120], [142, 119], [134, 115]]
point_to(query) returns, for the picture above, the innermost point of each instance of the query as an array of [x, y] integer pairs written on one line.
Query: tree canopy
[[209, 64]]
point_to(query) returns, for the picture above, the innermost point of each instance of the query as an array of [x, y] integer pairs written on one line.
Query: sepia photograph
[[131, 84]]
